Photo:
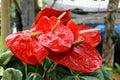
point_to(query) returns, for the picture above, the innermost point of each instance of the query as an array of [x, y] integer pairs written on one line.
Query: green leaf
[[1, 71], [51, 75], [12, 74], [88, 78], [17, 64], [59, 73], [117, 67], [106, 75], [72, 0], [47, 62], [5, 57], [69, 78], [100, 74], [34, 76], [108, 68]]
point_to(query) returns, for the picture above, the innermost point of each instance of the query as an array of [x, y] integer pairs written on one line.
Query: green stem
[[71, 71], [25, 69], [3, 66], [46, 71], [75, 75], [7, 60], [37, 69]]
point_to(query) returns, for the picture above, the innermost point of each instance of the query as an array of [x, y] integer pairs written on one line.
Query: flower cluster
[[56, 36]]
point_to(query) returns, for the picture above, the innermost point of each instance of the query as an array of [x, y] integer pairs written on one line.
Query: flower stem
[[26, 71], [46, 71], [37, 69], [76, 75]]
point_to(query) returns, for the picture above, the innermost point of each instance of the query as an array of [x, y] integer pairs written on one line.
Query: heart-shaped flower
[[26, 46], [82, 56], [90, 35], [56, 36], [53, 12]]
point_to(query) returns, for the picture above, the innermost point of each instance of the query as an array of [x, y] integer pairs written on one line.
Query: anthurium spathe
[[91, 36], [26, 46], [54, 12], [67, 44], [82, 57], [56, 36]]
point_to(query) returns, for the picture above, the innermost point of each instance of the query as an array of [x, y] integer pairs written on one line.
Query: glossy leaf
[[47, 62], [88, 78], [70, 78], [117, 67], [107, 76], [100, 74], [5, 57], [34, 76], [58, 73], [12, 74], [1, 71]]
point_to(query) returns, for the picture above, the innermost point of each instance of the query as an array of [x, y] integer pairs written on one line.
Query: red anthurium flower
[[82, 26], [53, 12], [42, 25], [56, 36], [26, 46], [82, 57], [74, 42], [91, 36]]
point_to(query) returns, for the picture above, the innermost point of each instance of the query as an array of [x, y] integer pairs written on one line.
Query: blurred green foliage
[[14, 69]]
